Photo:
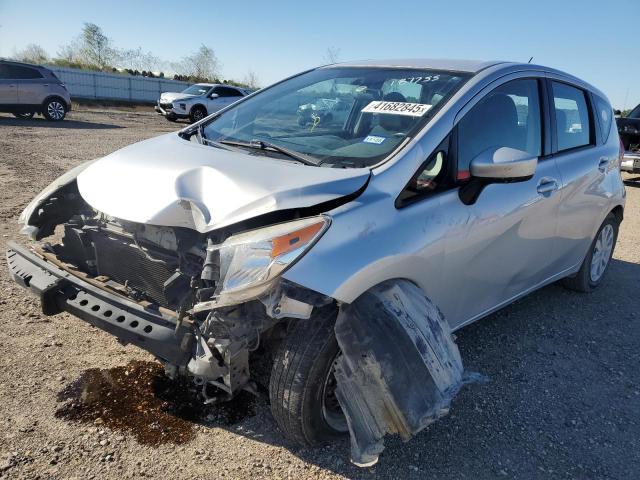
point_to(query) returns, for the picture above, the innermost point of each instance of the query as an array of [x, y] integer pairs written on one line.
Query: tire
[[197, 113], [54, 109], [301, 384], [589, 277], [24, 115]]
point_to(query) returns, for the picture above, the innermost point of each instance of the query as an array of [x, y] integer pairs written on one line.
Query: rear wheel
[[25, 115], [54, 109], [302, 386], [197, 113], [594, 266]]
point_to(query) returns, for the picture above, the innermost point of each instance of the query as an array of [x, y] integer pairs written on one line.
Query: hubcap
[[601, 253], [331, 410], [198, 115], [55, 110]]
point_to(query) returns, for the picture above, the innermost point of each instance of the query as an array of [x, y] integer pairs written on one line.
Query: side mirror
[[504, 164], [497, 165], [214, 95]]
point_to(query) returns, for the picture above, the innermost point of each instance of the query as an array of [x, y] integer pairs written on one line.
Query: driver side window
[[509, 116]]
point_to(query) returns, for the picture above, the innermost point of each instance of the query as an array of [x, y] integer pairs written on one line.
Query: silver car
[[341, 255], [27, 89]]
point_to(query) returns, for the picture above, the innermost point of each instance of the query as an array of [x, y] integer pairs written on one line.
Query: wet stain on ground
[[138, 398]]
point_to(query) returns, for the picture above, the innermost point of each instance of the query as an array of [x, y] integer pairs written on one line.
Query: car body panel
[[209, 187]]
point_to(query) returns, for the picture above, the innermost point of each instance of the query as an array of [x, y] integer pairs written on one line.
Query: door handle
[[603, 164], [547, 185]]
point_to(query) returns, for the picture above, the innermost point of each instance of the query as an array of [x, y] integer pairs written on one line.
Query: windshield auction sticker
[[397, 108]]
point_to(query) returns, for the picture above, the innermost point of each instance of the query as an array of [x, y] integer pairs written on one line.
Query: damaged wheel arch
[[399, 369]]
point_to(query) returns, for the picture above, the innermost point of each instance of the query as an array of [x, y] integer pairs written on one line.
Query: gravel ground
[[562, 401]]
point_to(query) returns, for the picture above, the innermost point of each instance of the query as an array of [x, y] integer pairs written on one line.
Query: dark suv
[[27, 89], [629, 130]]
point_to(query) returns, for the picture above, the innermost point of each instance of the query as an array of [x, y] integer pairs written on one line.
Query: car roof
[[217, 85], [471, 66], [15, 62]]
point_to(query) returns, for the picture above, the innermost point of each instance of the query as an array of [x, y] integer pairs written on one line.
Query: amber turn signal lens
[[293, 240]]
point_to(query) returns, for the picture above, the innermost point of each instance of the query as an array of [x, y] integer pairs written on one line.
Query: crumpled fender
[[399, 369]]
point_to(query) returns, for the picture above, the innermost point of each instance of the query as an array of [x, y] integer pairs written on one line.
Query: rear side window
[[572, 116], [509, 116], [19, 72], [605, 116]]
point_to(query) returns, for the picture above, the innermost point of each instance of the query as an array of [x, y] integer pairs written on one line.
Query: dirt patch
[[138, 398]]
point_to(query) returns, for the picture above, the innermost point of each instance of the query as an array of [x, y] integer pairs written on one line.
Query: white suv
[[197, 101]]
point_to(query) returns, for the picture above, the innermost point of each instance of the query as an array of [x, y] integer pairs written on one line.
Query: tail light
[[621, 150]]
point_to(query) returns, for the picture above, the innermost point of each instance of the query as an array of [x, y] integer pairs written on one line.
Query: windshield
[[197, 89], [343, 117], [635, 113]]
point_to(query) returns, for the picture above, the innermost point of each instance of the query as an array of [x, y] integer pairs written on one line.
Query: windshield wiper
[[262, 145], [202, 138]]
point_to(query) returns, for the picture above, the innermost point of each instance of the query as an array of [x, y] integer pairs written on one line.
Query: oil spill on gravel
[[139, 399]]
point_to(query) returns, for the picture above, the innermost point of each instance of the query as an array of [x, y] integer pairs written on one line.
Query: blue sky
[[594, 40]]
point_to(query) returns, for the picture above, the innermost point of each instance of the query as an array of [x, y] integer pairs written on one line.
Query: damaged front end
[[200, 302], [207, 303]]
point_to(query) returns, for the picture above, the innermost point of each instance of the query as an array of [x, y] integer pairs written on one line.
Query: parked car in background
[[629, 130], [337, 257], [27, 89], [198, 101]]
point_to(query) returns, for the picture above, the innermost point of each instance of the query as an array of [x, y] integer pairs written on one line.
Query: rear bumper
[[130, 322], [630, 162]]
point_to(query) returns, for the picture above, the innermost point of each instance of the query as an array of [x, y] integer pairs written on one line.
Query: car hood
[[172, 96], [170, 181]]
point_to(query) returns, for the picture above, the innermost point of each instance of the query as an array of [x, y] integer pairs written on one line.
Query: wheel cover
[[55, 110], [601, 253], [331, 409]]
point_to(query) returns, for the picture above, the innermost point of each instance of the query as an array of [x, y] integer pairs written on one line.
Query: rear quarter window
[[604, 112]]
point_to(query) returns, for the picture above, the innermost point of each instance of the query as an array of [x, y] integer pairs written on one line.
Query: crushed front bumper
[[59, 290]]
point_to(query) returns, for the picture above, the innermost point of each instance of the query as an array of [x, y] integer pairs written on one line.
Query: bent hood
[[170, 181]]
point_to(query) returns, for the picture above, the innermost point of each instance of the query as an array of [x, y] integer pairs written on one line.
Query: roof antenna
[[530, 60]]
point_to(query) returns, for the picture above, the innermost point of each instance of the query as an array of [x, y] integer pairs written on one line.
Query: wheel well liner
[[399, 369]]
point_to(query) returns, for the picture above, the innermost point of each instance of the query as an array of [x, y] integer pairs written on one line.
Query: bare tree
[[251, 80], [138, 59], [202, 64], [95, 48], [32, 53], [332, 55], [69, 52]]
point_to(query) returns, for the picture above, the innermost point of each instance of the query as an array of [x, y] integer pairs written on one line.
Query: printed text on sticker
[[397, 108]]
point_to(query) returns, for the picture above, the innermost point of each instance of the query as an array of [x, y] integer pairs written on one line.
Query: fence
[[106, 86]]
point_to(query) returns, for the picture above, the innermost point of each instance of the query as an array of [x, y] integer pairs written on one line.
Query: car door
[[32, 88], [503, 244], [226, 96], [584, 167], [8, 86]]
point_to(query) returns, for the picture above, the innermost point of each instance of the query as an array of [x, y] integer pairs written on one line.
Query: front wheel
[[24, 115], [302, 385], [197, 113], [595, 264], [54, 109]]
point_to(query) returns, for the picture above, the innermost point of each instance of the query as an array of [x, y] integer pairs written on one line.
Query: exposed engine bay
[[175, 270]]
